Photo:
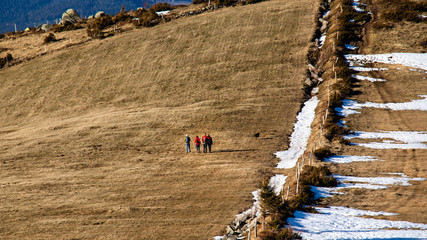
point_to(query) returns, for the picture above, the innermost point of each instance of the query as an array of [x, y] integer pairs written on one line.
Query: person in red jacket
[[197, 143], [205, 143]]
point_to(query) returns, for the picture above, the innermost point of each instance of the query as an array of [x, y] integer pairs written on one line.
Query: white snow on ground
[[415, 60], [401, 181], [348, 106], [401, 139], [350, 159], [367, 69], [300, 135], [371, 79], [352, 212], [350, 47], [373, 183], [345, 223], [322, 40], [277, 182], [163, 13], [356, 5]]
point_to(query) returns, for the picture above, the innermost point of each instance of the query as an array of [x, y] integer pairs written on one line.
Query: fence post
[[263, 223], [303, 162], [311, 153], [249, 234], [256, 229], [321, 129]]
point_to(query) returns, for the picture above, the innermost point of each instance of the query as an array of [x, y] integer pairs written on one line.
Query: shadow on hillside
[[233, 150]]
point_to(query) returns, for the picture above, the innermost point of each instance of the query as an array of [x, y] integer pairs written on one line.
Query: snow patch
[[356, 6], [322, 40], [277, 182], [346, 223], [401, 139], [348, 106], [401, 181], [362, 78], [350, 159], [367, 69], [300, 135], [415, 60], [350, 47], [163, 13]]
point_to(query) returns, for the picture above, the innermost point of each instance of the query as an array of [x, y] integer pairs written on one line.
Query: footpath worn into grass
[[92, 137]]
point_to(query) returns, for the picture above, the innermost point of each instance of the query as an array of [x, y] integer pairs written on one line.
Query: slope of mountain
[[92, 136]]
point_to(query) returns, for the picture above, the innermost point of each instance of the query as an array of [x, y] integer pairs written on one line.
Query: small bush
[[254, 1], [121, 17], [318, 176], [96, 26], [281, 234], [333, 130], [5, 60], [147, 19], [225, 2], [49, 38], [322, 153], [66, 27], [158, 7], [199, 1], [272, 205], [303, 198]]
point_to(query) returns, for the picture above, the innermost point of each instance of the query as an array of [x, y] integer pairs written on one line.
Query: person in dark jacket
[[187, 144], [209, 142], [197, 143], [205, 144]]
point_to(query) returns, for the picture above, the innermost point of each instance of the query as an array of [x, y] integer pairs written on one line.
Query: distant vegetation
[[225, 2], [33, 13]]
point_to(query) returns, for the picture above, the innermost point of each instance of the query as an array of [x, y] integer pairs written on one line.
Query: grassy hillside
[[92, 137]]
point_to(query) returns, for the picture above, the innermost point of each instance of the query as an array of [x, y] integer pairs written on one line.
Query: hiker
[[197, 143], [205, 144], [187, 144], [209, 142]]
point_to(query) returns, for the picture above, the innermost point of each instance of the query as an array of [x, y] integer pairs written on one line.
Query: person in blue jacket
[[187, 144]]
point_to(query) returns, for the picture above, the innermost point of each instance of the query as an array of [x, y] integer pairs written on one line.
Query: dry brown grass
[[403, 36], [402, 85], [91, 137]]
